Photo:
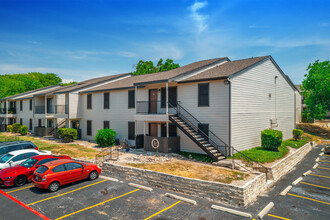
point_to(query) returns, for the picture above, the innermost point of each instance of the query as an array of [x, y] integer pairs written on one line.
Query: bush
[[105, 137], [10, 128], [67, 134], [297, 133], [16, 127], [23, 130], [306, 118], [271, 139]]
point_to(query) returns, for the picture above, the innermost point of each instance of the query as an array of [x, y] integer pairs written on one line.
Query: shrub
[[271, 139], [297, 133], [67, 134], [105, 137], [306, 117], [23, 130], [10, 128], [16, 127]]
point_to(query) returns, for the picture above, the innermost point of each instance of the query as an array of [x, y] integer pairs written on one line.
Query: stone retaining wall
[[218, 192], [282, 167]]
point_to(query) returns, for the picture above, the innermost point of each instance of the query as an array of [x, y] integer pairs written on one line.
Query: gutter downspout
[[230, 115]]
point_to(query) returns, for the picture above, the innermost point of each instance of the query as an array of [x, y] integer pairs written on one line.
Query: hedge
[[271, 139], [67, 134]]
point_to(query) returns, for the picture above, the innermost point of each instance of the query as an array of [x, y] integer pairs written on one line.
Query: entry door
[[153, 101], [153, 130]]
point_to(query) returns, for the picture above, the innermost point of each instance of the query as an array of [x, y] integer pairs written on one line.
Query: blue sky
[[88, 38]]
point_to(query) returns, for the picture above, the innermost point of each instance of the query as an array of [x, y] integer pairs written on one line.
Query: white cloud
[[85, 54], [67, 80], [127, 54], [197, 17]]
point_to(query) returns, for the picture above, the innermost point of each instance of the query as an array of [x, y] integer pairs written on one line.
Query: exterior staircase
[[209, 143], [59, 125]]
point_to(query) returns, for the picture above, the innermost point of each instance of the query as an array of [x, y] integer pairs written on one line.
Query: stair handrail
[[199, 130], [232, 150], [57, 126]]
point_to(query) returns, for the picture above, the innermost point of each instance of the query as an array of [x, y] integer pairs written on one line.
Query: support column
[[144, 128], [167, 128]]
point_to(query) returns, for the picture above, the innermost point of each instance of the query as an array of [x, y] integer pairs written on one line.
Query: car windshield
[[5, 158], [29, 163]]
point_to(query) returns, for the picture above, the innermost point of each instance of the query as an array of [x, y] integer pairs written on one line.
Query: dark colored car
[[6, 147], [20, 174], [57, 173]]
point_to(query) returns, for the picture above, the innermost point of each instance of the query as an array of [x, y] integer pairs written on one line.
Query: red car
[[20, 174], [57, 173]]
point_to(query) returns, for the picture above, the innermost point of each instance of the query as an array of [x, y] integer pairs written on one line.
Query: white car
[[16, 157]]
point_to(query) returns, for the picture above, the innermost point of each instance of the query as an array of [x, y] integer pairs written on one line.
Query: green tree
[[316, 89], [145, 67]]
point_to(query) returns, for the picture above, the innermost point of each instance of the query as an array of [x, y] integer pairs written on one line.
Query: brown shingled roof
[[130, 82], [28, 92], [224, 70], [90, 82]]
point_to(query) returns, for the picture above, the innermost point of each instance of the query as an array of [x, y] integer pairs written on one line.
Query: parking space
[[310, 198], [105, 199]]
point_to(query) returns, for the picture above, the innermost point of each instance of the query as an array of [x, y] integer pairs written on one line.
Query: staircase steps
[[195, 136]]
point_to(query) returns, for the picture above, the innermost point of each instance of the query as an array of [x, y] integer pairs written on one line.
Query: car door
[[75, 171], [16, 159], [60, 174]]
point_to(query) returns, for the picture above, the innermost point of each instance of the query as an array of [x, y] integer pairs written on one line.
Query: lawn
[[193, 170], [72, 150], [266, 156]]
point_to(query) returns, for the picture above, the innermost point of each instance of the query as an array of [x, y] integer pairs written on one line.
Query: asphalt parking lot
[[106, 199]]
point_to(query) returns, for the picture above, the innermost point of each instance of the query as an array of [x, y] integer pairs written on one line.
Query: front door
[[153, 130], [153, 101]]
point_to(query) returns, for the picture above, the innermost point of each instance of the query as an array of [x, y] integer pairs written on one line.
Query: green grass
[[266, 156], [200, 157]]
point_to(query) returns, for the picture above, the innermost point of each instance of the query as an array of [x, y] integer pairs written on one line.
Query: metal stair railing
[[213, 139], [226, 150], [57, 126], [109, 153]]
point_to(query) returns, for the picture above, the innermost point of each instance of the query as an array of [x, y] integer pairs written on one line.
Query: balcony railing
[[12, 111], [152, 107], [61, 109], [3, 110], [40, 109]]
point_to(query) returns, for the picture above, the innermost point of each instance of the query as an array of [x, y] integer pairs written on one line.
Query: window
[[30, 124], [39, 123], [131, 99], [73, 166], [42, 169], [30, 104], [89, 127], [46, 161], [59, 168], [106, 124], [131, 130], [28, 155], [16, 147], [21, 121], [3, 150], [21, 105], [106, 98], [89, 101], [172, 96], [18, 158], [171, 128], [203, 94]]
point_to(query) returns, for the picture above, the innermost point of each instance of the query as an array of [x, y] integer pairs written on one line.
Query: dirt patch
[[192, 170], [321, 130]]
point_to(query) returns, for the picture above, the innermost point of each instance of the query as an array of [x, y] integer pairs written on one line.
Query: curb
[[231, 211], [286, 190], [316, 165], [321, 154], [306, 173], [109, 178], [181, 198], [140, 186], [265, 210], [297, 181]]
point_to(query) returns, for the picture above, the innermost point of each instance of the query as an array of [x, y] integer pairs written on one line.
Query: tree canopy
[[145, 67], [12, 84], [316, 89]]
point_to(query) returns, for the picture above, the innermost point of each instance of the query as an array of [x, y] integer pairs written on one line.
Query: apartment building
[[203, 107]]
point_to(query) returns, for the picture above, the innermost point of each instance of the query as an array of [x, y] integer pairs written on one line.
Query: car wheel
[[93, 175], [20, 180], [53, 187]]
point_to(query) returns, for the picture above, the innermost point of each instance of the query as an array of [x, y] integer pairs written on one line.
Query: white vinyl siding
[[252, 108]]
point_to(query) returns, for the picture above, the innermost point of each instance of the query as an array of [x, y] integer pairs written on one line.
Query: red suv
[[54, 174], [20, 174]]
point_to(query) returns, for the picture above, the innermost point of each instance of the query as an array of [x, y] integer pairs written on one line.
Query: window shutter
[[89, 127], [89, 101], [131, 130], [106, 124], [131, 99], [203, 94]]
